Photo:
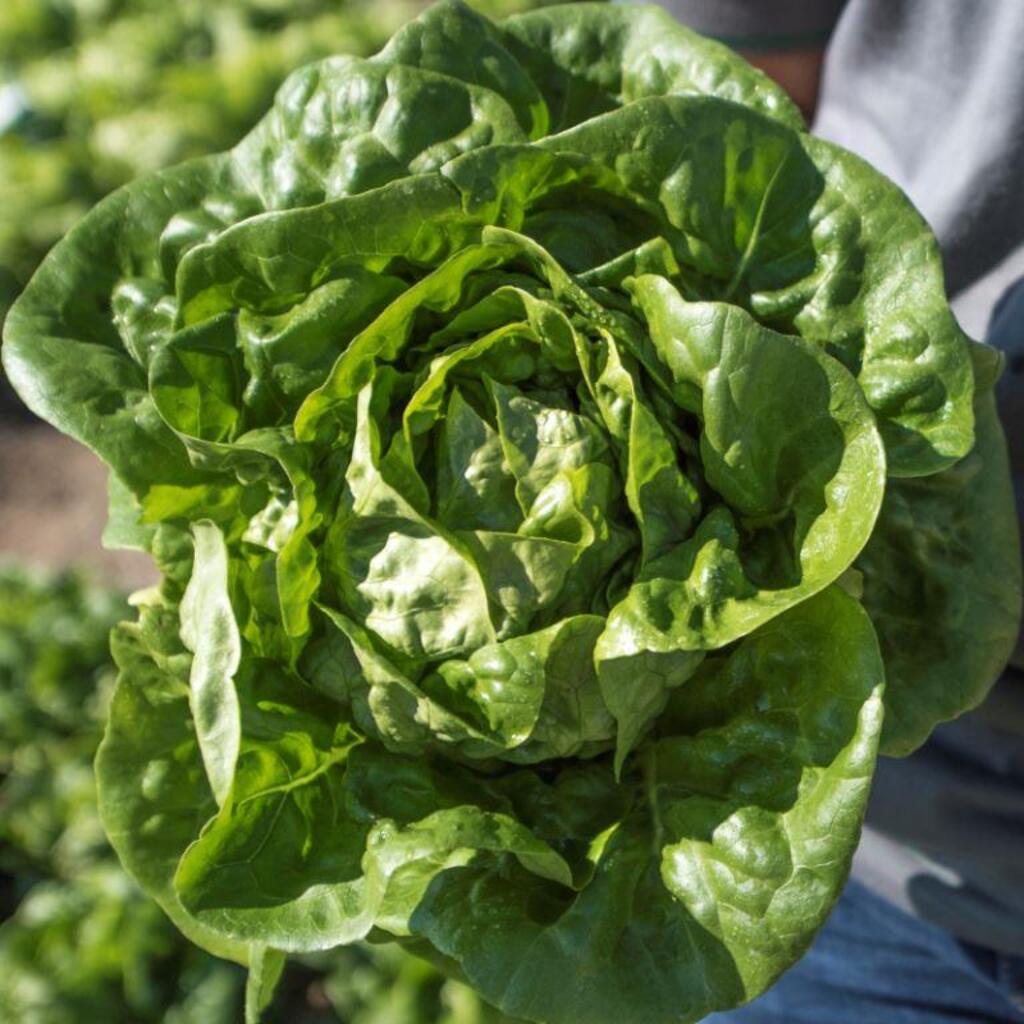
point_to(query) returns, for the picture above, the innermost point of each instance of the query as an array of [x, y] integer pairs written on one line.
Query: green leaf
[[265, 967], [593, 57], [527, 577], [942, 583], [444, 84], [290, 354], [68, 360], [280, 862], [124, 528], [541, 442], [244, 267], [402, 573], [662, 498], [209, 631], [475, 490], [785, 468], [387, 704], [414, 856], [196, 382], [534, 695], [297, 573], [153, 792], [453, 40]]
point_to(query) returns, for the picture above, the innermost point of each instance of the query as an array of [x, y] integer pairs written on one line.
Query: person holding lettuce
[[931, 927]]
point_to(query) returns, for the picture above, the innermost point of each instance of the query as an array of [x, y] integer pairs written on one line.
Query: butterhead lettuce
[[558, 462]]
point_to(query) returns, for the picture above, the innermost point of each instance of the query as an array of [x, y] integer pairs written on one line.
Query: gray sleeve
[[760, 24]]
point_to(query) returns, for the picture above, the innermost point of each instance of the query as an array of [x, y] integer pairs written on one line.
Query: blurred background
[[93, 93]]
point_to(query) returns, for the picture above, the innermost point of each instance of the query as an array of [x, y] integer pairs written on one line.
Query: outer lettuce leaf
[[105, 403], [942, 582], [280, 863], [152, 786], [595, 58]]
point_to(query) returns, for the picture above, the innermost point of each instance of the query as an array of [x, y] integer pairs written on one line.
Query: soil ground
[[53, 498]]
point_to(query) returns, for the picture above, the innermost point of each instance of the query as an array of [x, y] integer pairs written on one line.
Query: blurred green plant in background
[[95, 92], [79, 941]]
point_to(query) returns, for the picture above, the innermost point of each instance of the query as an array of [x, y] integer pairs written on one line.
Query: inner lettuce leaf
[[556, 458]]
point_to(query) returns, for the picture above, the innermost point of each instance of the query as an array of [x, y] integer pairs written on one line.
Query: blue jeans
[[873, 963]]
